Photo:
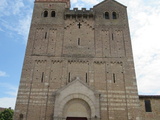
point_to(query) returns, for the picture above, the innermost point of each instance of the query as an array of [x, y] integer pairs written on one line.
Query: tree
[[7, 114]]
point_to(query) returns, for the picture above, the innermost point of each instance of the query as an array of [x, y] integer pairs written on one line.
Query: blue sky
[[15, 17]]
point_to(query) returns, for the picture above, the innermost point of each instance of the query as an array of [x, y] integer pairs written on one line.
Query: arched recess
[[81, 97], [77, 108], [114, 15], [79, 92], [106, 15], [45, 13], [53, 14]]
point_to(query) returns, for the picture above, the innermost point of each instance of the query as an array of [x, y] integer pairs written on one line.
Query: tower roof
[[56, 1], [112, 1]]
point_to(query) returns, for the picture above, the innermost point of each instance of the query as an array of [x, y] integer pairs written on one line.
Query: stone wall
[[91, 45], [154, 114]]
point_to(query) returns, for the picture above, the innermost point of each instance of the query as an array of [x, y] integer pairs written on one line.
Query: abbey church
[[79, 66]]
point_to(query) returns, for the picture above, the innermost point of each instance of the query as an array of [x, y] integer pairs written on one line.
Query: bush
[[7, 114]]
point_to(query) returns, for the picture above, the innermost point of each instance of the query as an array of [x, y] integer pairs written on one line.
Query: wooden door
[[76, 118]]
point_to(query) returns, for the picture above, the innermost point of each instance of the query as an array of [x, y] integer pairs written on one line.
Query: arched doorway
[[76, 118], [77, 109], [76, 94]]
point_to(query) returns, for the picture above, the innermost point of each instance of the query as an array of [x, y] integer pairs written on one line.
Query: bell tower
[[78, 64]]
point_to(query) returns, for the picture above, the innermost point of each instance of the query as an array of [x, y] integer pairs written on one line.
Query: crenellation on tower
[[77, 14]]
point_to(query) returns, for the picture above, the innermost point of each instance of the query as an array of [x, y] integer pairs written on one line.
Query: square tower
[[78, 64]]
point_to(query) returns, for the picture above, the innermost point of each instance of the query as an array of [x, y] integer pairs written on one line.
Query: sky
[[144, 21]]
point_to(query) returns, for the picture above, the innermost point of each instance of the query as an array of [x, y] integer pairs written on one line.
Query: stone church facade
[[78, 64]]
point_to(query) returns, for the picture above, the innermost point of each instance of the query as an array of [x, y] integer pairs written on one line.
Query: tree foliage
[[7, 114]]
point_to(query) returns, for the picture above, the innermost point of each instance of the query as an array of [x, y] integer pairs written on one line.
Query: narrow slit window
[[45, 35], [69, 77], [106, 15], [112, 36], [114, 78], [148, 106], [114, 15], [42, 78], [53, 14], [86, 78], [79, 41], [45, 14]]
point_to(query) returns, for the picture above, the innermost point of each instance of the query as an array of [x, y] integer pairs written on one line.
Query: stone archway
[[79, 96], [74, 94], [77, 109]]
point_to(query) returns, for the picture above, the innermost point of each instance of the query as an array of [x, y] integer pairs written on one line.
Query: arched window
[[21, 116], [114, 15], [53, 14], [106, 15], [45, 14]]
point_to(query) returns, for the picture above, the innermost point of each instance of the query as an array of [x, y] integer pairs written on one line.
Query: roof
[[149, 96], [110, 0], [2, 109], [77, 79]]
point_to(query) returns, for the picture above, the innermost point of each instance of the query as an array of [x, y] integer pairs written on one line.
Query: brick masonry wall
[[81, 44], [155, 107]]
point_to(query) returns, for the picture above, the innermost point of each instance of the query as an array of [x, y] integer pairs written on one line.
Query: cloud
[[17, 6], [3, 4], [74, 1], [9, 97], [1, 30], [23, 27], [84, 3], [144, 17], [3, 74], [11, 7], [16, 18], [7, 102], [14, 7], [9, 86], [92, 2], [31, 1]]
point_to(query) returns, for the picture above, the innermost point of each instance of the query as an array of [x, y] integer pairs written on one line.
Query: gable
[[76, 86], [110, 3]]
